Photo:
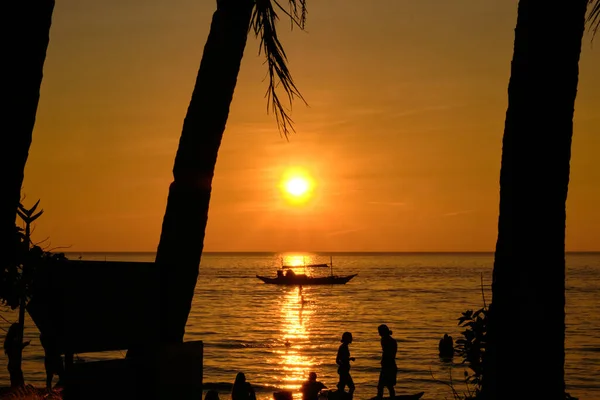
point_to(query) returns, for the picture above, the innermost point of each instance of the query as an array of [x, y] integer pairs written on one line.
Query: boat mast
[[331, 264], [304, 264]]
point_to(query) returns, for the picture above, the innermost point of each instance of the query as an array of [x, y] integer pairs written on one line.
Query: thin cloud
[[388, 203], [345, 231], [368, 111], [425, 109], [455, 213]]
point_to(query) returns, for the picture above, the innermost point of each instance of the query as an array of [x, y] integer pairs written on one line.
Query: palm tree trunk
[[526, 333], [24, 53], [186, 216]]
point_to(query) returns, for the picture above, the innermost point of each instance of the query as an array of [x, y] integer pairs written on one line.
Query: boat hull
[[415, 396], [337, 395], [307, 280]]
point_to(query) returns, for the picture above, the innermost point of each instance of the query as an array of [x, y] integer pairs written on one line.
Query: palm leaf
[[594, 16], [264, 24]]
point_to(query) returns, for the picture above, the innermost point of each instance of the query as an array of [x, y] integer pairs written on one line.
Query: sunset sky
[[402, 136]]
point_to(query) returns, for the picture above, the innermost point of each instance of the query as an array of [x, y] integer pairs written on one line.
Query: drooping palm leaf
[[594, 16], [264, 21]]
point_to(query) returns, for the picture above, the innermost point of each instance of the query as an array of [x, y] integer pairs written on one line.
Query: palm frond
[[264, 21], [594, 17]]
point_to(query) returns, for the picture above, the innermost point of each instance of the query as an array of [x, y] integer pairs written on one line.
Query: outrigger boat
[[287, 276]]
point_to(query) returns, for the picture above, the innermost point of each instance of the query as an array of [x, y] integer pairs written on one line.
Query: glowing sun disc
[[297, 186]]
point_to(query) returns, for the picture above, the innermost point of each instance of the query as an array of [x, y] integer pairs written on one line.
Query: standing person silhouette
[[13, 348], [242, 390], [387, 376], [53, 361], [343, 361]]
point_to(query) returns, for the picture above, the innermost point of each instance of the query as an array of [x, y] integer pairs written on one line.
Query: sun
[[297, 186]]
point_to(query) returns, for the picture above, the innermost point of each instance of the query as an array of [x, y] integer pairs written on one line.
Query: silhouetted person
[[13, 349], [212, 395], [53, 361], [446, 346], [279, 273], [311, 388], [387, 376], [242, 390], [343, 361], [290, 274]]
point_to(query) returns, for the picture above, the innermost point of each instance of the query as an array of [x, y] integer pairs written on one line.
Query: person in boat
[[446, 346], [290, 273], [242, 390], [279, 273], [343, 361], [311, 388], [389, 348], [53, 362], [13, 348]]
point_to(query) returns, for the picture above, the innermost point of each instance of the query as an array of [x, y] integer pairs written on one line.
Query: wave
[[247, 345], [226, 387]]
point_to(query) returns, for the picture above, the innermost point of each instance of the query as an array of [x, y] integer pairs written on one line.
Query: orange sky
[[402, 136]]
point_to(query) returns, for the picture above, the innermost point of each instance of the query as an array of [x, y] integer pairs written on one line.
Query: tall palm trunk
[[26, 40], [527, 317], [184, 224], [24, 53]]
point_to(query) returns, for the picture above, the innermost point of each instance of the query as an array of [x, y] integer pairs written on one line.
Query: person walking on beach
[[387, 376], [343, 361], [242, 390], [13, 348]]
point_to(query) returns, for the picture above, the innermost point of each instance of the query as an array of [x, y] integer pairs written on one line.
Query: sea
[[276, 335]]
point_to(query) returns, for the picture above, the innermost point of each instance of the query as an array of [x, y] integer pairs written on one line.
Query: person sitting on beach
[[212, 395], [53, 361], [387, 376], [446, 347], [13, 348], [242, 390], [311, 388], [343, 361]]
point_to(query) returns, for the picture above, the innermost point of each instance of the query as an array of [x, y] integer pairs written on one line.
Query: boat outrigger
[[287, 276]]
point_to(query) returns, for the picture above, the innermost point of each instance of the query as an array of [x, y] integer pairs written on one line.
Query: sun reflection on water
[[294, 362], [297, 261]]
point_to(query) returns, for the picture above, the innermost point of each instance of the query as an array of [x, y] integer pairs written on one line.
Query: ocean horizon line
[[321, 253]]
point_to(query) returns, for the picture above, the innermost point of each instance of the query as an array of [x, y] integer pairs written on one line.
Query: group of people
[[387, 375], [242, 390]]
